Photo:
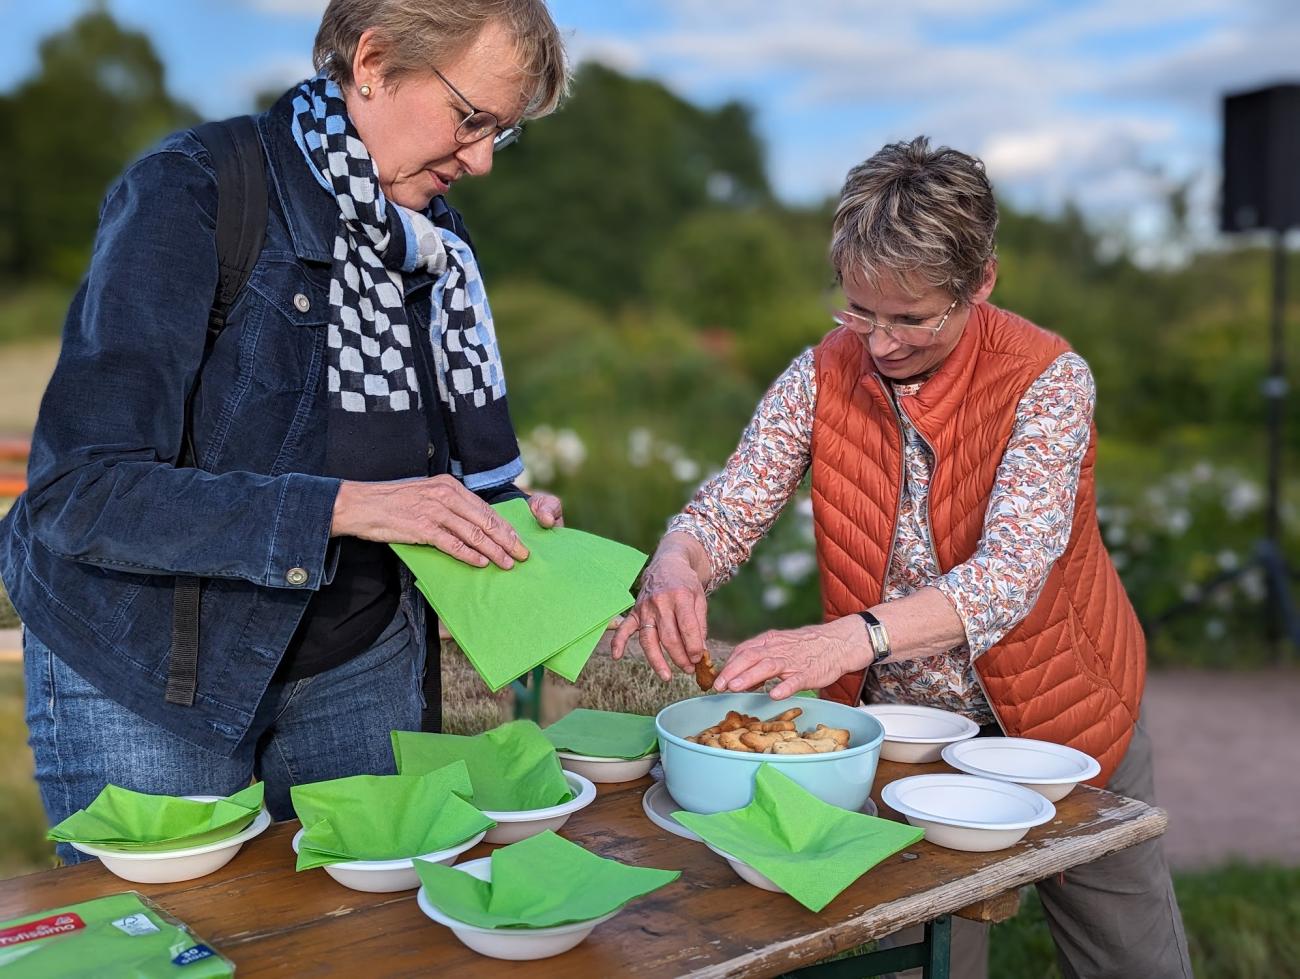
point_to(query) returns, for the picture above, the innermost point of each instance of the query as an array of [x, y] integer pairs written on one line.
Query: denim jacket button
[[302, 303], [430, 450], [296, 576]]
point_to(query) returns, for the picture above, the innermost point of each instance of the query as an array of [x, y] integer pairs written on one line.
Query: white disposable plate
[[517, 944], [511, 827], [748, 873], [1048, 768], [386, 876], [599, 769], [918, 734], [659, 807], [176, 865], [966, 812]]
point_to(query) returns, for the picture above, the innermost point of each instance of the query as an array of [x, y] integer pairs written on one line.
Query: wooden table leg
[[528, 696], [931, 955]]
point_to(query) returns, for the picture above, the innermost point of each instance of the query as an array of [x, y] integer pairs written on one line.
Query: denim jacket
[[90, 552]]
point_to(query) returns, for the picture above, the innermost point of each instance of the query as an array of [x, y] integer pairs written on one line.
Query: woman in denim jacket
[[354, 397]]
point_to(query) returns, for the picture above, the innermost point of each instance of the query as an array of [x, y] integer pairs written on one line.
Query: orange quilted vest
[[1072, 672]]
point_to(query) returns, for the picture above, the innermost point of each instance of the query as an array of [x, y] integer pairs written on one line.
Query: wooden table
[[272, 921]]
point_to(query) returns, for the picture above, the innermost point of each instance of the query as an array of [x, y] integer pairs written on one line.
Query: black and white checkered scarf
[[371, 361]]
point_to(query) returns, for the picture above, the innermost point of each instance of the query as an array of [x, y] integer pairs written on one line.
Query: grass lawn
[[1242, 922]]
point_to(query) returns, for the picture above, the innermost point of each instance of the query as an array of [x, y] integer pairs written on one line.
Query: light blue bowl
[[709, 780]]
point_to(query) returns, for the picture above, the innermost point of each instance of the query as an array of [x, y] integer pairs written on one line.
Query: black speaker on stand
[[1261, 191]]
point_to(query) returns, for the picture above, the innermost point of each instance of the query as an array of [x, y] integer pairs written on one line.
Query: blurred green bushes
[[648, 286]]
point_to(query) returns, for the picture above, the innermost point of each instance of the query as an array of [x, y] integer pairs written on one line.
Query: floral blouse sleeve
[[731, 512], [1030, 514]]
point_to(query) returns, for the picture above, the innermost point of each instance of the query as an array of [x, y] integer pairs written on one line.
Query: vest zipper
[[898, 506], [929, 526]]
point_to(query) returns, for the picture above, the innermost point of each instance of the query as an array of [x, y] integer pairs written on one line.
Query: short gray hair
[[419, 35], [910, 212]]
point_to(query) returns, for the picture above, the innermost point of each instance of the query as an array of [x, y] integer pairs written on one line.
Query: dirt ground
[[1226, 772]]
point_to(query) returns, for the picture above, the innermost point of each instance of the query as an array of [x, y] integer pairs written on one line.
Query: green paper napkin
[[539, 882], [118, 935], [604, 734], [507, 622], [142, 823], [385, 817], [512, 767], [810, 848], [624, 563]]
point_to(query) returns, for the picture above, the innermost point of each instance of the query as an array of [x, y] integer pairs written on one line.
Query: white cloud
[[1108, 102], [288, 8]]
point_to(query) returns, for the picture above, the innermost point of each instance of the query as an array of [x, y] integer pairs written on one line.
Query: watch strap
[[879, 638]]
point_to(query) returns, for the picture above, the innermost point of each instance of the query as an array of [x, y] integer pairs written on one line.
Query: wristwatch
[[879, 638]]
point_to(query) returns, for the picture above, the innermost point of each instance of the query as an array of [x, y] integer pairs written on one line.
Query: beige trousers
[[1114, 918]]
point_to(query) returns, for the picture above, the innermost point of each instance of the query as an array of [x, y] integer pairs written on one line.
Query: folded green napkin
[[549, 606], [512, 767], [385, 817], [812, 849], [539, 882], [604, 734], [142, 823], [116, 935], [624, 563]]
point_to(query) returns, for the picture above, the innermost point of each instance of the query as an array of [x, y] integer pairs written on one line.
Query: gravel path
[[1226, 768]]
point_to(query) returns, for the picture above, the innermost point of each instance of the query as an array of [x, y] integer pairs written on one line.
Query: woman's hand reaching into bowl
[[670, 615], [807, 658]]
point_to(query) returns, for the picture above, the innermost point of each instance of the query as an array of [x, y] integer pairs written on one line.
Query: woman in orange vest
[[951, 448]]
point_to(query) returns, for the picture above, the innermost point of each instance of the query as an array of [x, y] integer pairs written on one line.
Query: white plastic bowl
[[386, 876], [176, 865], [917, 735], [511, 827], [746, 872], [516, 944], [1050, 769], [599, 769], [966, 812]]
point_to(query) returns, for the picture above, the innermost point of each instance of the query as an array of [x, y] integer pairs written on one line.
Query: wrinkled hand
[[670, 616], [547, 509], [438, 511], [805, 659]]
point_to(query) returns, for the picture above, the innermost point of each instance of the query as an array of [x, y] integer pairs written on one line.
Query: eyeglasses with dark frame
[[479, 123], [909, 334]]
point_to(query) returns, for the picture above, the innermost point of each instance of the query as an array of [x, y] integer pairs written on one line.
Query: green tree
[[98, 98], [592, 194]]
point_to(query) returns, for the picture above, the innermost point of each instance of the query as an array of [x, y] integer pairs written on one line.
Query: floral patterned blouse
[[1026, 527]]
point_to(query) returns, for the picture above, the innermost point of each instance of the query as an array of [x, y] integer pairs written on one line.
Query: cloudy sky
[[1105, 102]]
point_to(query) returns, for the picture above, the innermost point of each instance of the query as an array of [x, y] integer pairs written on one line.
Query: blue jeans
[[334, 724]]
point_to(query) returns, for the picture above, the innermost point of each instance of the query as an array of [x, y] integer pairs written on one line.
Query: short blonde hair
[[419, 35], [913, 213]]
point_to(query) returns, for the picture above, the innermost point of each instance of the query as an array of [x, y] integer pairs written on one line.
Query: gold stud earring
[[365, 91]]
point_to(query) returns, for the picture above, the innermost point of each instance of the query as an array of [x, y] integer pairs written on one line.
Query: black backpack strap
[[242, 203]]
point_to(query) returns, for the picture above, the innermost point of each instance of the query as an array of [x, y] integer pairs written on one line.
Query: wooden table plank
[[272, 921]]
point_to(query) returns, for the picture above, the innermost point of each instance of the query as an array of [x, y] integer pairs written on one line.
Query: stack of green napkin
[[604, 734], [552, 608], [811, 849], [539, 882], [117, 935], [120, 819], [512, 768], [385, 817]]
